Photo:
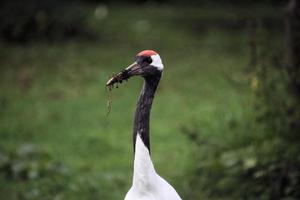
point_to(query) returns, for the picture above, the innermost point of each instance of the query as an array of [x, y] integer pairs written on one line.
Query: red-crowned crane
[[147, 184]]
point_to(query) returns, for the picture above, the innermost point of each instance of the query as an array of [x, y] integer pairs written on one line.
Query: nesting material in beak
[[118, 78], [133, 69]]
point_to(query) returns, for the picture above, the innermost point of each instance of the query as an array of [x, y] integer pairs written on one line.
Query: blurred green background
[[224, 123]]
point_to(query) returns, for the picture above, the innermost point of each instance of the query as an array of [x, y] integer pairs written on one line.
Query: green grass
[[54, 96]]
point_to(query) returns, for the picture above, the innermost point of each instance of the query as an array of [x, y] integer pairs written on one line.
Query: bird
[[146, 183]]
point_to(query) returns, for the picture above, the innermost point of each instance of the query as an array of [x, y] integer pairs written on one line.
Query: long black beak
[[131, 70]]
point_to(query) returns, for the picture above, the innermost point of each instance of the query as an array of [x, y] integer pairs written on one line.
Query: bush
[[24, 21], [264, 162]]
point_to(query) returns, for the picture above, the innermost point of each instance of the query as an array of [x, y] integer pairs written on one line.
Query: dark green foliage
[[264, 162], [277, 114], [23, 21], [33, 171]]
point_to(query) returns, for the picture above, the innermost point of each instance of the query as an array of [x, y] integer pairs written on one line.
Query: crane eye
[[148, 60]]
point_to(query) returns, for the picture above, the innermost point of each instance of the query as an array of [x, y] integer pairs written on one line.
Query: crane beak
[[131, 70]]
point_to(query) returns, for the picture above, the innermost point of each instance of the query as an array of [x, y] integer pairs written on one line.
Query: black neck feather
[[142, 113]]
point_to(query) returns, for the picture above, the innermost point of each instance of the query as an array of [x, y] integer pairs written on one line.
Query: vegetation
[[227, 138]]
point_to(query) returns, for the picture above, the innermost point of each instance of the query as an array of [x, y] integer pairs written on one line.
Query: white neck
[[144, 175]]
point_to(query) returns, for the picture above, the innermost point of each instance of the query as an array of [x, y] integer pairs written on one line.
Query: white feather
[[156, 62], [147, 184]]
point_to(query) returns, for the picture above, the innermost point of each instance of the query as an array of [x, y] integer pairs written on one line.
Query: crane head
[[147, 63]]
